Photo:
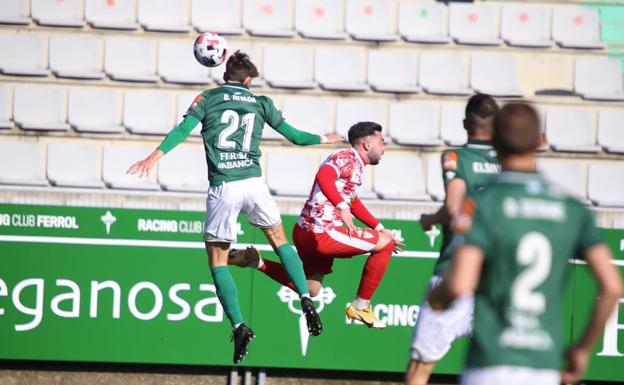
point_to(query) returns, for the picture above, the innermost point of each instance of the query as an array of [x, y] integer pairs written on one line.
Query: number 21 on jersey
[[232, 119]]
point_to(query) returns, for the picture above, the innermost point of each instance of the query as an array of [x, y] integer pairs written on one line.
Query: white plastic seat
[[393, 71], [217, 16], [320, 19], [184, 102], [288, 66], [24, 159], [184, 169], [177, 64], [473, 24], [75, 56], [352, 110], [15, 12], [526, 25], [598, 78], [452, 129], [66, 13], [443, 73], [73, 165], [23, 54], [111, 14], [268, 18], [605, 183], [610, 131], [371, 20], [290, 174], [569, 175], [117, 159], [307, 113], [571, 129], [163, 15], [130, 59], [40, 108], [94, 110], [390, 181], [576, 27], [254, 55], [424, 22], [340, 68], [5, 107], [435, 183], [494, 74], [414, 124], [148, 112]]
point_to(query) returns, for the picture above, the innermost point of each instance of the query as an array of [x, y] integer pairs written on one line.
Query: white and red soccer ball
[[210, 49]]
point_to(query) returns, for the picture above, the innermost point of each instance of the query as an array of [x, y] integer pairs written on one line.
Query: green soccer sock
[[294, 267], [227, 293]]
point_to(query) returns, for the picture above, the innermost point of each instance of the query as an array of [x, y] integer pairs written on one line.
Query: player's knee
[[384, 241]]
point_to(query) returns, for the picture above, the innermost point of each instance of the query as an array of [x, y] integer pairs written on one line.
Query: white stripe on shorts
[[347, 240]]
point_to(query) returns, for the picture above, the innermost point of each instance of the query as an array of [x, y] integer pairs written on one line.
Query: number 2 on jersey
[[232, 119], [534, 251]]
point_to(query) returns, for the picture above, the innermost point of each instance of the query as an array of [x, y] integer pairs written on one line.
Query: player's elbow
[[613, 289]]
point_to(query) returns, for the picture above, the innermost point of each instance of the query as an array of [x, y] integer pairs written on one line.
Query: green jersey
[[476, 164], [527, 229]]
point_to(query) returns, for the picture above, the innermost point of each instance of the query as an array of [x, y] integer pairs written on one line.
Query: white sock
[[237, 325], [306, 296], [360, 303]]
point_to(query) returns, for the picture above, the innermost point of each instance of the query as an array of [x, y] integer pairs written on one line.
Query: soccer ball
[[210, 49]]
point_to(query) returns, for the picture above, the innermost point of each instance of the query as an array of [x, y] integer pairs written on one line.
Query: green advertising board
[[133, 286]]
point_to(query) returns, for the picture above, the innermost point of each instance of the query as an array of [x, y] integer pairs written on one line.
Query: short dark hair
[[480, 106], [238, 67], [361, 130], [516, 130]]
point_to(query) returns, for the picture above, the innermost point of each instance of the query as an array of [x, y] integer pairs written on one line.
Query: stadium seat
[[163, 15], [307, 113], [177, 64], [494, 74], [94, 110], [25, 161], [268, 18], [452, 128], [27, 54], [117, 159], [217, 16], [576, 27], [524, 25], [340, 68], [393, 71], [605, 183], [66, 13], [414, 123], [390, 181], [73, 165], [75, 56], [148, 112], [184, 169], [14, 12], [366, 189], [443, 73], [424, 22], [352, 110], [130, 59], [40, 108], [184, 102], [473, 24], [5, 107], [598, 78], [571, 130], [320, 19], [288, 66], [435, 184], [111, 14], [290, 175], [610, 132], [371, 20], [254, 54], [569, 175]]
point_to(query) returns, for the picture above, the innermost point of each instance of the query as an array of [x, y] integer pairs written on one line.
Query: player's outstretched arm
[[143, 167], [302, 138]]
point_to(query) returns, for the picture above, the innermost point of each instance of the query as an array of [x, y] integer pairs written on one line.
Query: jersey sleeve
[[272, 116], [343, 162], [589, 233], [479, 234], [198, 108], [451, 166]]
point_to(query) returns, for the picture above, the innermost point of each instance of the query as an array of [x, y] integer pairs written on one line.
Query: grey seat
[[307, 113], [272, 18], [184, 169], [424, 22], [435, 184], [598, 78], [15, 12], [610, 132], [413, 123], [5, 107], [27, 54], [177, 64], [148, 112], [569, 175], [571, 130], [473, 24], [219, 16], [163, 15], [393, 71], [49, 116], [340, 68], [352, 110], [452, 128], [320, 19], [288, 66], [494, 74], [117, 159], [525, 25], [576, 27], [94, 110], [605, 183], [25, 160], [66, 13], [73, 165], [290, 175], [75, 56], [130, 59], [443, 73], [111, 14], [390, 181], [371, 20]]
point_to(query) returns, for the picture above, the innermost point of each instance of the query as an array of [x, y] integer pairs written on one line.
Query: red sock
[[374, 270], [277, 273]]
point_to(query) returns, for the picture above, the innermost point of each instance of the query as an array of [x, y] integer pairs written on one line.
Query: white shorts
[[435, 330], [225, 202], [510, 375]]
